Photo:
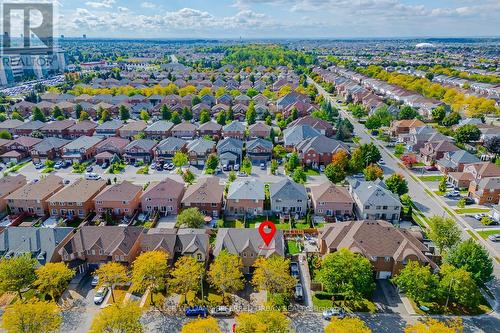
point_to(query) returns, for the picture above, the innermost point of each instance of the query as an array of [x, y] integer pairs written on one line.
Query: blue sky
[[278, 18]]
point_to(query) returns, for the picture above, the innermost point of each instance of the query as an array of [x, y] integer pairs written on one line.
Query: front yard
[[486, 233]]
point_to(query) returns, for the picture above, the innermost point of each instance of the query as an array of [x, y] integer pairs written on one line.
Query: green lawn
[[16, 167], [323, 301], [431, 178], [486, 233], [471, 210], [293, 247], [233, 224], [312, 172], [438, 192]]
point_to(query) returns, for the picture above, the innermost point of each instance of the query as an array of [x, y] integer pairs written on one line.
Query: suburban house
[[76, 199], [322, 126], [259, 150], [210, 128], [121, 199], [110, 147], [235, 129], [50, 148], [245, 197], [403, 126], [109, 128], [42, 243], [57, 128], [230, 151], [473, 171], [319, 150], [288, 198], [454, 161], [158, 130], [27, 128], [419, 136], [18, 149], [198, 151], [259, 130], [292, 136], [248, 245], [10, 125], [184, 130], [388, 248], [372, 200], [207, 195], [133, 128], [140, 150], [82, 128], [177, 243], [166, 149], [485, 191], [8, 185], [91, 246], [32, 199], [435, 150], [81, 149], [163, 197], [331, 201], [4, 143]]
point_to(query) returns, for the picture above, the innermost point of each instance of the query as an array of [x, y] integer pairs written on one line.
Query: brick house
[[48, 149], [329, 200], [485, 191], [81, 149], [235, 130], [109, 128], [158, 130], [164, 197], [106, 149], [433, 151], [139, 150], [92, 246], [210, 128], [319, 150], [322, 126], [399, 127], [388, 248], [184, 130], [28, 127], [8, 185], [207, 195], [245, 197], [166, 149], [82, 128], [259, 130], [32, 198], [76, 200], [119, 199], [57, 128], [132, 129], [18, 149]]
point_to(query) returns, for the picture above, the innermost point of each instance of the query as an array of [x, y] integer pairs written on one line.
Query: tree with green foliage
[[397, 184], [246, 166], [180, 159], [84, 116], [104, 115], [229, 115], [221, 118], [3, 117], [452, 119], [251, 114], [4, 134], [195, 101], [124, 113], [176, 118], [335, 173], [190, 218], [292, 163], [204, 116], [407, 112], [438, 114], [444, 232], [144, 115], [458, 285], [57, 113], [274, 166], [186, 276], [279, 151], [110, 275], [347, 325], [442, 185], [472, 257], [299, 175], [16, 115], [187, 114], [225, 273], [273, 275], [165, 112], [346, 274], [188, 176], [17, 274], [467, 133], [38, 115], [211, 163], [417, 282], [263, 322], [78, 111]]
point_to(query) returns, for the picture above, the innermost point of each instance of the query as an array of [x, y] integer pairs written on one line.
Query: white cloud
[[101, 4], [148, 4]]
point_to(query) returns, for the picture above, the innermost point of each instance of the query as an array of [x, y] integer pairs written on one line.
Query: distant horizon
[[284, 38]]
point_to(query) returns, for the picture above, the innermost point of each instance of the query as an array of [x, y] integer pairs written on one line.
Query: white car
[[92, 176], [100, 295], [479, 216], [221, 311], [333, 312], [494, 237]]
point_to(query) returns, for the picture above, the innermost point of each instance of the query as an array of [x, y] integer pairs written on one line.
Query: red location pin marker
[[267, 235]]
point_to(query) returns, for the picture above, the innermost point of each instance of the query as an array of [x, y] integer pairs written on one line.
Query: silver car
[[100, 295]]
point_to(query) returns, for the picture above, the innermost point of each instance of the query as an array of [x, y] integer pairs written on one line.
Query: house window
[[101, 252], [148, 199], [93, 252], [384, 207], [244, 255], [198, 257], [99, 202], [378, 207], [126, 209], [320, 211], [54, 211], [214, 204], [81, 212], [387, 259], [367, 207]]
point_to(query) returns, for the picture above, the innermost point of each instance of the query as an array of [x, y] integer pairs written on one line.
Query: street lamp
[[449, 291]]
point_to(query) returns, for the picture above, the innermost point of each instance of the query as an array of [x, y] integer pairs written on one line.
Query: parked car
[[66, 181], [105, 165], [452, 194], [299, 293], [58, 165], [89, 168], [153, 165], [358, 175], [95, 281], [242, 174], [381, 162], [494, 237], [221, 311], [322, 168], [170, 166], [479, 216], [236, 167], [294, 269], [38, 166], [430, 168], [333, 312], [92, 176], [263, 166], [197, 311], [100, 295]]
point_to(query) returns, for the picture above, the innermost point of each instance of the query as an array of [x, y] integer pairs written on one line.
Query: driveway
[[387, 298]]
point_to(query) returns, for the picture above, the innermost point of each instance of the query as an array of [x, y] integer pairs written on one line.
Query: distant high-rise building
[[84, 36], [62, 36]]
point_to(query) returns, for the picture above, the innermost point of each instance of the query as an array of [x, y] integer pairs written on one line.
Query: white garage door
[[384, 275]]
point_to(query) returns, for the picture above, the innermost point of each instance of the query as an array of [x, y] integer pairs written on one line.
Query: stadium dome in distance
[[424, 45]]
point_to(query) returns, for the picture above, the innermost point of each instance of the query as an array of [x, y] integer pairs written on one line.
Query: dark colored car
[[197, 311]]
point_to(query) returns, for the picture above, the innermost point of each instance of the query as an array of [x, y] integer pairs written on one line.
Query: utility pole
[[449, 291]]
